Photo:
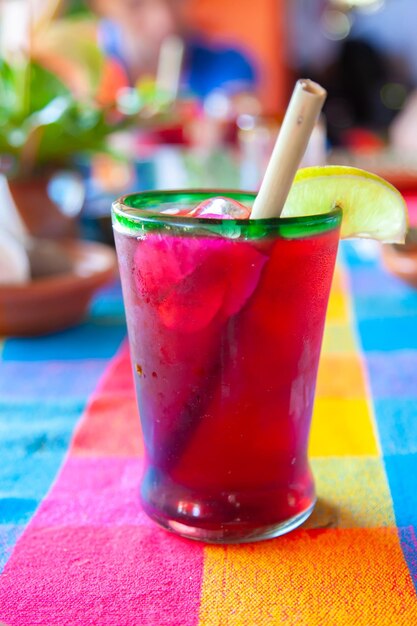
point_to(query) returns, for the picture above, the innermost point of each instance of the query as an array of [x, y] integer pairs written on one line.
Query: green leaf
[[44, 87], [41, 121]]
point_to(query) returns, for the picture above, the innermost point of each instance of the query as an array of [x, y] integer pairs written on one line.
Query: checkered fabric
[[76, 548]]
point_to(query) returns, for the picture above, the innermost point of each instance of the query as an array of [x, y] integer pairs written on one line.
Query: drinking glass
[[225, 322]]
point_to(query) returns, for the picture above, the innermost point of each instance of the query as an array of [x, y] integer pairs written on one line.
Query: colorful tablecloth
[[76, 549]]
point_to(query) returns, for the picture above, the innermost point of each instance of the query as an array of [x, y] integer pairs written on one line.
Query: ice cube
[[161, 261], [221, 208], [221, 283], [190, 280]]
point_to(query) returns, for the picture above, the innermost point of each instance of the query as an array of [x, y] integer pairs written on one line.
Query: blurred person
[[362, 71], [131, 33], [367, 70]]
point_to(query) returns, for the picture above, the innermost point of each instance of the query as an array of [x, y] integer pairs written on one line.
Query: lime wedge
[[371, 206]]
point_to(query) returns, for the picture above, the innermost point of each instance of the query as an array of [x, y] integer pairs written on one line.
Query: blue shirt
[[206, 67]]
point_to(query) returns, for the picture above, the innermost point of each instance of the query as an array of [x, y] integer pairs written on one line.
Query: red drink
[[225, 335]]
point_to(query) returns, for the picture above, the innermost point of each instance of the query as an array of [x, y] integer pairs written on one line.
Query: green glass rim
[[140, 210]]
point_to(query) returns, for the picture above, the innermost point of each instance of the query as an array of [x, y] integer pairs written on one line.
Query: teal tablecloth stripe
[[90, 340], [45, 383], [388, 336]]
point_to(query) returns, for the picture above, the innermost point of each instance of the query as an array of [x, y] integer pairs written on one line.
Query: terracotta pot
[[49, 204], [52, 303]]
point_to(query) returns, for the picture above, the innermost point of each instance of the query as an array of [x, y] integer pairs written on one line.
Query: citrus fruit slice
[[371, 206]]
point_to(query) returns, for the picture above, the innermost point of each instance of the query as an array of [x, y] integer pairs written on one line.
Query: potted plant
[[43, 126], [51, 112]]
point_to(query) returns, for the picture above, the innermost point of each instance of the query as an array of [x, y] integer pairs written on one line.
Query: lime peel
[[372, 207]]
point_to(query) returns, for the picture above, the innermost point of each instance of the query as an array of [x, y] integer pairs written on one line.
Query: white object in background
[[14, 27], [255, 150], [10, 219], [403, 130], [366, 249], [14, 261], [170, 172], [67, 190], [168, 75], [315, 153]]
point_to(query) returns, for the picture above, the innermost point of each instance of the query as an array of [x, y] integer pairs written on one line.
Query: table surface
[[75, 547]]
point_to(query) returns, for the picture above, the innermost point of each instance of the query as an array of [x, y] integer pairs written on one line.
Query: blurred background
[[102, 97]]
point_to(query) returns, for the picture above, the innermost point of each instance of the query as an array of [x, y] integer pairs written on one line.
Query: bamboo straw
[[302, 113]]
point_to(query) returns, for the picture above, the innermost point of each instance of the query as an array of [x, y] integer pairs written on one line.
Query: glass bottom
[[232, 533]]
